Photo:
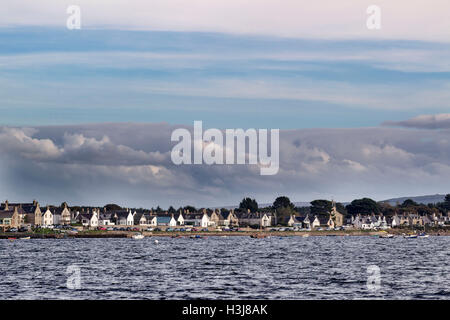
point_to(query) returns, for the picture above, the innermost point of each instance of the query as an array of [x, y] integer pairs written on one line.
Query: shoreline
[[128, 234]]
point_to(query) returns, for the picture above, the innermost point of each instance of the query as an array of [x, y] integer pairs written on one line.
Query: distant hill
[[419, 199]]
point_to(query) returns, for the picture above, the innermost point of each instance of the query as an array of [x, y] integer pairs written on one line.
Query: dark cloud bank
[[130, 164]]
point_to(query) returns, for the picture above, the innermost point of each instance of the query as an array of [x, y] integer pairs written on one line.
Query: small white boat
[[387, 236], [138, 236], [423, 235], [25, 238], [305, 235]]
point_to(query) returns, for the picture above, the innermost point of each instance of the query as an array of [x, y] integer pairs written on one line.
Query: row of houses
[[204, 219], [368, 222], [14, 215]]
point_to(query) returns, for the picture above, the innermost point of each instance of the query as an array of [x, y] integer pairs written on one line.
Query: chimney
[[34, 202], [6, 205]]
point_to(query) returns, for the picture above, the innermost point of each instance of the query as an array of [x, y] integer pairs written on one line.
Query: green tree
[[112, 207], [248, 204], [284, 214], [282, 202], [171, 210], [321, 206], [409, 203], [363, 206], [190, 208], [446, 204]]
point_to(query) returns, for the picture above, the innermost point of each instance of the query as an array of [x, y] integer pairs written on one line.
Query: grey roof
[[6, 214]]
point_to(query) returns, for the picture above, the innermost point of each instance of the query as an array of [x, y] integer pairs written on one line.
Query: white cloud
[[401, 19]]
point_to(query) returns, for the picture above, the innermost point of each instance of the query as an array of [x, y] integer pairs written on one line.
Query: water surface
[[226, 268]]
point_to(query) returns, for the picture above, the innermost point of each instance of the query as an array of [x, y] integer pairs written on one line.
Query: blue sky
[[52, 75]]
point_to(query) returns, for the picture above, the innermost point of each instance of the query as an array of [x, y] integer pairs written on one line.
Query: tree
[[112, 207], [64, 204], [321, 207], [284, 214], [248, 204], [409, 203], [171, 210], [282, 202], [447, 202], [190, 209], [363, 206]]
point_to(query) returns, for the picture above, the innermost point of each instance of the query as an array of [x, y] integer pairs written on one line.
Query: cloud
[[438, 121], [130, 164], [327, 19]]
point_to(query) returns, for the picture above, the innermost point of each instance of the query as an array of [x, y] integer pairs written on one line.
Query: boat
[[411, 236], [423, 235], [387, 236], [305, 235], [197, 236], [25, 238], [138, 236]]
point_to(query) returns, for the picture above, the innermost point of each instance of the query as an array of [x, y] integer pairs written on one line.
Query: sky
[[86, 114]]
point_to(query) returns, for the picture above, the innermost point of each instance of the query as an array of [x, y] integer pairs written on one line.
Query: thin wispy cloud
[[325, 19], [101, 75], [432, 121]]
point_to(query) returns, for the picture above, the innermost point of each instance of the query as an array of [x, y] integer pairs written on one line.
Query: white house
[[105, 219], [89, 219], [180, 219], [153, 221], [315, 223], [166, 221], [266, 221], [47, 217], [124, 218], [205, 220], [395, 221]]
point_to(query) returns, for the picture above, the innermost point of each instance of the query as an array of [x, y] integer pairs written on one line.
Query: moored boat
[[423, 235], [138, 236], [257, 236], [25, 238], [387, 236]]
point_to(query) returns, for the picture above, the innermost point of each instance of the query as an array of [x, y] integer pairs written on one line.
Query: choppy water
[[226, 268]]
